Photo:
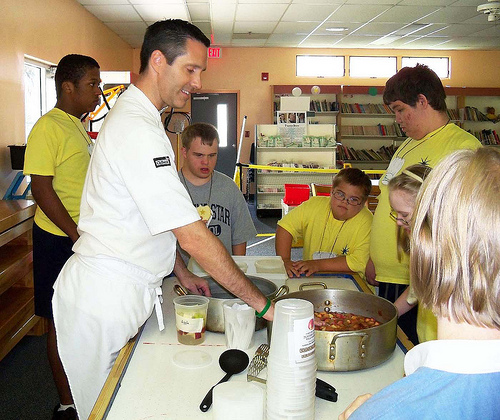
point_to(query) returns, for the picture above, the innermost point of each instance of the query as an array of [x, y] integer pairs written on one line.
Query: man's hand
[[190, 281], [209, 253], [370, 273], [195, 284], [354, 405], [307, 267]]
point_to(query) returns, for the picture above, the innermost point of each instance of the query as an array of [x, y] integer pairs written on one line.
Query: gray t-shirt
[[231, 220]]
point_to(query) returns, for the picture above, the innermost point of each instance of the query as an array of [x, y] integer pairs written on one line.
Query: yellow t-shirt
[[426, 325], [313, 222], [429, 150], [426, 320], [58, 147]]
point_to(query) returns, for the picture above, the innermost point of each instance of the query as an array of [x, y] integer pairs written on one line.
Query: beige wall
[[48, 30]]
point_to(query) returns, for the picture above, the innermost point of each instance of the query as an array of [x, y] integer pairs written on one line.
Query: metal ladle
[[231, 361]]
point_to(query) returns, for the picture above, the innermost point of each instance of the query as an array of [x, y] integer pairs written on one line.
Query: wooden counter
[[17, 307]]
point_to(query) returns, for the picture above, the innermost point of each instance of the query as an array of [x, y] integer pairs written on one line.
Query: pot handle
[[314, 283], [362, 346], [282, 291], [180, 290]]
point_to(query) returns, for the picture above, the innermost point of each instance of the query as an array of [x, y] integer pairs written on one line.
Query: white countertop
[[154, 386]]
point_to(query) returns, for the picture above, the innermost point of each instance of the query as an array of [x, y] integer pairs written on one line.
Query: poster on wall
[[292, 127]]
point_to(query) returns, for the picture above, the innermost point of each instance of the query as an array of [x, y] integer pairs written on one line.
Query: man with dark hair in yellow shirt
[[57, 158], [417, 97]]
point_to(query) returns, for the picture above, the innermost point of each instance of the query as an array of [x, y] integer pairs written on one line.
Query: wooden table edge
[[115, 375]]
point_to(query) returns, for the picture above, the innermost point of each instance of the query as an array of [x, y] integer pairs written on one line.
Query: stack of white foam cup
[[291, 367]]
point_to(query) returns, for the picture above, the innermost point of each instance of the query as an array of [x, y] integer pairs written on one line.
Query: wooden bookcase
[[367, 127], [477, 99], [356, 129], [369, 122], [17, 307]]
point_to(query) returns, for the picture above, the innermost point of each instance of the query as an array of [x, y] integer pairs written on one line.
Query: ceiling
[[394, 24]]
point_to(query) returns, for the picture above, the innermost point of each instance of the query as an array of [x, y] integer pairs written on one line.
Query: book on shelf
[[470, 113], [357, 108], [453, 114], [385, 153], [393, 130], [487, 137], [323, 106]]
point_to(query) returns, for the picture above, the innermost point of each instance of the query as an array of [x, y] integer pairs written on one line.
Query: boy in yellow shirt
[[57, 158], [335, 229]]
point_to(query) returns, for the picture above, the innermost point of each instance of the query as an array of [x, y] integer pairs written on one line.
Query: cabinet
[[17, 307], [270, 184]]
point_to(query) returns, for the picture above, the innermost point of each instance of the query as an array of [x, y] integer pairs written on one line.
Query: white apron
[[99, 304]]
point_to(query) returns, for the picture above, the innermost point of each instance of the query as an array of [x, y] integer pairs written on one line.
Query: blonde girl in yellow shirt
[[403, 190]]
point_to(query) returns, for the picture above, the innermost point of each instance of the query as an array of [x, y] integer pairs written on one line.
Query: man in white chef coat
[[134, 210]]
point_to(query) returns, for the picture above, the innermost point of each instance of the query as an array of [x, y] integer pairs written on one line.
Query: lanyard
[[189, 192], [323, 235], [90, 143], [420, 142]]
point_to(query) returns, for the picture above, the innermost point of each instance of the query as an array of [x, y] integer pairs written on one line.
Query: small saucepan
[[215, 315]]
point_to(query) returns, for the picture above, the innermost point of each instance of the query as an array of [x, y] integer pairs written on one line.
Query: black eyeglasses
[[394, 216], [353, 201]]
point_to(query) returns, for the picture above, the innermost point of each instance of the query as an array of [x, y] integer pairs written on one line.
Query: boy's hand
[[290, 270], [308, 267]]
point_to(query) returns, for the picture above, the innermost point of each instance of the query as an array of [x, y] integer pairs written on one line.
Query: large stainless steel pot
[[215, 314], [350, 350]]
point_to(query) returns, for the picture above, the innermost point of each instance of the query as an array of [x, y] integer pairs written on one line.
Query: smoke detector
[[492, 9]]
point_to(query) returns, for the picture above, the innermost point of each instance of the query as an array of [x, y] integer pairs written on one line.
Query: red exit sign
[[214, 52]]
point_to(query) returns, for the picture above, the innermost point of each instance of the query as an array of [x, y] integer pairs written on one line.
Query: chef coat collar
[[141, 97], [455, 356]]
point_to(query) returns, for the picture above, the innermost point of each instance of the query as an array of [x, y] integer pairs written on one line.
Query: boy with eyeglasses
[[335, 229]]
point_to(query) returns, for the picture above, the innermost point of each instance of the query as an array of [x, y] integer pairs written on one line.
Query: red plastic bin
[[296, 194]]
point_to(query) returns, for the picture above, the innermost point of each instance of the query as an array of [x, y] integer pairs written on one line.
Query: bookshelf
[[324, 106], [470, 108], [368, 133], [270, 184], [366, 128]]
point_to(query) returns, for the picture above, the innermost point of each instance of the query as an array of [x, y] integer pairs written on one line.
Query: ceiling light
[[385, 40], [412, 28], [492, 9], [336, 29]]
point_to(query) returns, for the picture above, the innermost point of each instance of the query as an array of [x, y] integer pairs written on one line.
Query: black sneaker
[[68, 414]]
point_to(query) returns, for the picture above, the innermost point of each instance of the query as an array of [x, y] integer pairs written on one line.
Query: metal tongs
[[324, 390]]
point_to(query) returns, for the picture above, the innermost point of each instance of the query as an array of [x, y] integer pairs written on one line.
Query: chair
[[372, 200], [320, 189]]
